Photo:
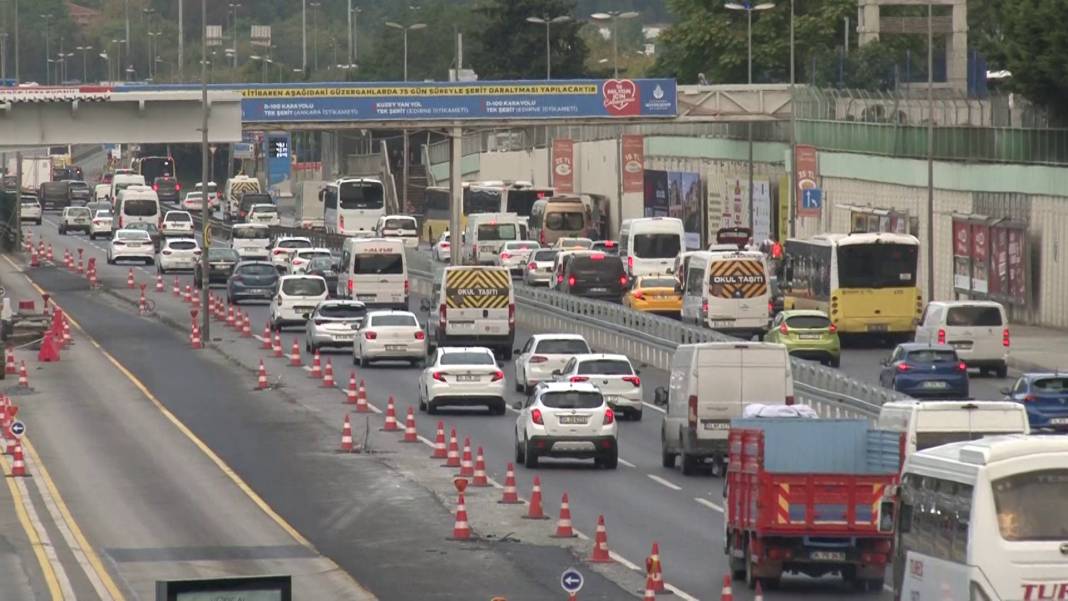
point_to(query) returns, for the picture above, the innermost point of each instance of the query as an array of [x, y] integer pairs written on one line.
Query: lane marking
[[654, 407], [708, 504], [664, 482], [625, 462], [29, 526]]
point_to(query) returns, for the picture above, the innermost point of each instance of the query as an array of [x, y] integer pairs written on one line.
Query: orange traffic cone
[[246, 326], [461, 530], [758, 595], [391, 417], [654, 570], [266, 337], [261, 380], [316, 366], [230, 316], [159, 283], [49, 348], [563, 524], [452, 459], [9, 362], [142, 303], [67, 338], [510, 496], [194, 337], [24, 376], [410, 434], [346, 435], [727, 593], [50, 257], [649, 594], [328, 375], [33, 259], [439, 443], [350, 392], [467, 467], [177, 289], [294, 354], [130, 283], [361, 399], [276, 349], [479, 478], [18, 467], [92, 278], [600, 543], [188, 295], [536, 512]]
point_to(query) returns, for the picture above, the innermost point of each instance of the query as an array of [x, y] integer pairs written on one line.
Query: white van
[[138, 204], [648, 246], [978, 330], [374, 271], [710, 384], [473, 306], [398, 226], [121, 181], [251, 240], [929, 424], [727, 291], [486, 233]]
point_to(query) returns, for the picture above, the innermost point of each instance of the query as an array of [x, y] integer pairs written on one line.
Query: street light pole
[[405, 150], [548, 21], [315, 34], [930, 153], [205, 230], [85, 51], [48, 47], [613, 16], [355, 33], [181, 40], [304, 35], [793, 134], [235, 6]]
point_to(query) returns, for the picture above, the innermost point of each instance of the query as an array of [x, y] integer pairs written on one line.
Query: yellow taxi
[[655, 294]]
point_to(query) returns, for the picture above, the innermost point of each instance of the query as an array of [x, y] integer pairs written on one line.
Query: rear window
[[258, 269], [182, 244], [251, 233], [521, 245], [103, 213], [544, 255], [324, 263], [265, 209], [607, 265], [304, 287], [313, 254], [132, 235], [572, 399], [562, 347], [932, 356], [178, 217], [1031, 505], [605, 367], [342, 311], [930, 439], [80, 212], [973, 316], [140, 207], [466, 358], [294, 244], [808, 322], [564, 221], [378, 264], [656, 246], [28, 201], [575, 243], [656, 283], [497, 231], [394, 320], [1051, 384], [399, 224], [222, 254]]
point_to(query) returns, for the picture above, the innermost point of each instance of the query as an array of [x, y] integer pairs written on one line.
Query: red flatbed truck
[[806, 496]]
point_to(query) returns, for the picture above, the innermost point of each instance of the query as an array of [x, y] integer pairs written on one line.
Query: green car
[[807, 334]]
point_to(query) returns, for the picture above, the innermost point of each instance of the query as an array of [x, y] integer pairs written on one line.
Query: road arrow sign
[[17, 429], [571, 580]]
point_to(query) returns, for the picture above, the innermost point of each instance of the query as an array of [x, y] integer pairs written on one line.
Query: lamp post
[[48, 46], [304, 35], [404, 30], [749, 8], [234, 6], [153, 46], [146, 24], [205, 322], [930, 152], [548, 22], [107, 61], [405, 150], [118, 60], [315, 34], [85, 52], [613, 16], [354, 33], [181, 40]]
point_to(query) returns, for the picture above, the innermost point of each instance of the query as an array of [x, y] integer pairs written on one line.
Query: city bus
[[153, 167], [479, 197], [982, 520], [353, 204], [866, 282]]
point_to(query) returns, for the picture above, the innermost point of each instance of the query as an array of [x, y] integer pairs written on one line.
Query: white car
[[178, 253], [296, 299], [76, 219], [193, 201], [30, 209], [462, 376], [564, 419], [283, 249], [389, 335], [267, 214], [613, 375], [177, 223], [442, 250], [302, 257], [131, 244], [542, 355], [515, 254], [334, 324], [539, 269], [101, 224]]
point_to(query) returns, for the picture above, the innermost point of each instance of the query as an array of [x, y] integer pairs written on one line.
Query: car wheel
[[520, 458], [422, 404], [528, 389], [518, 386], [530, 456], [499, 408], [431, 408], [689, 464], [637, 415], [1002, 371], [355, 360], [836, 362], [92, 236], [110, 261], [667, 458], [609, 460], [163, 271], [38, 222]]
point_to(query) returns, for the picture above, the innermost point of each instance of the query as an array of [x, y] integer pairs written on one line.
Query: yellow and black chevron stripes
[[739, 278], [477, 288]]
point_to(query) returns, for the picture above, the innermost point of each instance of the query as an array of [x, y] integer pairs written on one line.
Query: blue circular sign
[[571, 580], [18, 428]]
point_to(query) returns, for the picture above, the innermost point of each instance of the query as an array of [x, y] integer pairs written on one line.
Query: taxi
[[654, 294]]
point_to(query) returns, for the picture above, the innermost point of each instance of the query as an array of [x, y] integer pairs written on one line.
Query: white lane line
[[626, 463], [708, 504], [664, 482], [654, 407]]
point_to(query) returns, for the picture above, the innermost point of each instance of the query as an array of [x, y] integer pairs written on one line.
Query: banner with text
[[990, 259], [564, 165], [633, 163], [806, 166]]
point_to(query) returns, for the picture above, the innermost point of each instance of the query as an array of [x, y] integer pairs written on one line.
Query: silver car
[[539, 269], [333, 324]]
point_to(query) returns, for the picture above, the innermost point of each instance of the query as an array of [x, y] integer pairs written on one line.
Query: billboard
[[279, 157], [633, 163], [656, 193], [990, 259], [806, 165], [676, 194], [564, 165]]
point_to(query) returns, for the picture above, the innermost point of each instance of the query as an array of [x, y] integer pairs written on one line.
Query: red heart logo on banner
[[621, 97]]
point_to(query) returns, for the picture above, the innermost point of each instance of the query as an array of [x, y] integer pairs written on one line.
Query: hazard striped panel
[[739, 278], [782, 512], [477, 288]]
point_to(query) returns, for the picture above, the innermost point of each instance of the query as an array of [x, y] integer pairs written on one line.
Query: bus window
[[482, 201], [1031, 507], [877, 266], [520, 202], [361, 195]]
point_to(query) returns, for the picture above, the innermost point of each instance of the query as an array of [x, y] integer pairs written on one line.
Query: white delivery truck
[[35, 171], [309, 205]]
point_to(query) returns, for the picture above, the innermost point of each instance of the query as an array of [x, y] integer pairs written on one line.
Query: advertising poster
[[761, 210], [735, 204], [806, 161], [783, 228], [564, 165], [633, 163], [279, 158], [656, 193], [714, 201], [999, 261], [962, 255], [684, 195], [980, 233], [1017, 253]]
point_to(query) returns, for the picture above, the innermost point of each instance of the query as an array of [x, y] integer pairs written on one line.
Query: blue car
[[926, 370], [1045, 396]]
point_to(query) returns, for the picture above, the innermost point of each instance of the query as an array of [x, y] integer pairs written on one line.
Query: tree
[[511, 48]]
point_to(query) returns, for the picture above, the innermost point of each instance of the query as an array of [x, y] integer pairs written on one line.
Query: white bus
[[984, 520], [352, 205]]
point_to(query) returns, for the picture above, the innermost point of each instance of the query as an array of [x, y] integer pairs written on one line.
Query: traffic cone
[[81, 267], [758, 595], [346, 435], [510, 496], [177, 289], [246, 326], [261, 380], [479, 478], [142, 306], [361, 399], [328, 375], [24, 376], [49, 350], [130, 283], [67, 338], [316, 366], [266, 336], [467, 468], [230, 315], [600, 544], [452, 459], [654, 570], [9, 362], [276, 349], [536, 512], [563, 524], [461, 530], [649, 594], [33, 259], [50, 257], [294, 354], [187, 296], [727, 593], [194, 337], [92, 278], [350, 392], [68, 259], [160, 287], [410, 434], [18, 467], [391, 417], [439, 443]]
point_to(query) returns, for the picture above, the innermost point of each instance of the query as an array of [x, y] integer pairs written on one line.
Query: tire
[[637, 415], [92, 236], [520, 457], [431, 408], [689, 464], [530, 456], [750, 575], [519, 387], [499, 408], [38, 222], [163, 271], [836, 362], [528, 389], [609, 461], [870, 585], [422, 405], [667, 459], [110, 261], [1002, 371]]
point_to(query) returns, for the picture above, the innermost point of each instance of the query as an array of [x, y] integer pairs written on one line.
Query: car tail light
[[538, 359], [535, 416], [445, 245], [532, 266], [97, 222], [638, 294], [691, 415], [1005, 340], [497, 376], [511, 315], [609, 416], [442, 314], [439, 376], [1030, 398], [789, 399], [623, 280], [903, 367], [278, 251], [783, 329], [771, 307], [832, 328], [370, 335], [630, 264], [350, 286], [420, 335], [704, 308], [571, 281], [476, 250], [962, 366], [118, 243], [635, 380], [121, 222], [177, 187], [155, 187], [505, 256], [579, 379], [341, 222], [196, 251], [559, 278], [941, 336], [407, 286], [597, 257]]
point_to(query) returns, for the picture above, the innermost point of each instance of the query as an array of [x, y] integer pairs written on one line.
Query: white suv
[[613, 375], [562, 419], [542, 355]]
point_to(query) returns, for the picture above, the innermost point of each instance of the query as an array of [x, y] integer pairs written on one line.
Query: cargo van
[[402, 227], [929, 424], [649, 246], [486, 233], [728, 292], [561, 217], [138, 204], [121, 181], [374, 271], [473, 306], [710, 384], [978, 330]]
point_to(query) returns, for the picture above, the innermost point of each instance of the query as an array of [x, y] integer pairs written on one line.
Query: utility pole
[[355, 35], [315, 35], [793, 133], [235, 6], [126, 12], [181, 41], [304, 35], [17, 42], [48, 48], [930, 153], [205, 318], [349, 16], [405, 150]]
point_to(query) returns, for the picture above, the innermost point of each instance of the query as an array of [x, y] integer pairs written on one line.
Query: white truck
[[35, 171], [309, 205]]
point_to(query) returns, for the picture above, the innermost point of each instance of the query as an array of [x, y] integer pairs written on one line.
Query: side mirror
[[518, 405], [886, 516], [1005, 391], [671, 270], [637, 372], [884, 362], [515, 351], [660, 396], [904, 523], [557, 372]]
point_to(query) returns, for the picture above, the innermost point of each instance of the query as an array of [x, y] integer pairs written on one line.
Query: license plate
[[396, 347], [722, 323], [342, 337], [134, 245], [962, 345], [808, 336], [717, 425], [467, 378], [365, 296], [827, 555], [573, 419], [878, 327], [1058, 421], [303, 309], [598, 289], [935, 385]]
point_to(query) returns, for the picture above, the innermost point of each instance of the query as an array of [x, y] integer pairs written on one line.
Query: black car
[[252, 280], [167, 188], [221, 262], [325, 267], [79, 191], [153, 232], [594, 274]]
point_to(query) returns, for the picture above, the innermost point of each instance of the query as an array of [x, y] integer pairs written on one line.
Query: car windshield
[[1031, 507], [572, 399], [1051, 384], [146, 227], [342, 311], [564, 221], [932, 356], [521, 245], [808, 322], [304, 287], [222, 254], [139, 207], [544, 255], [250, 233], [182, 244], [103, 214], [973, 315], [264, 209], [378, 264], [175, 217], [656, 283], [361, 195], [394, 320], [574, 243], [80, 186], [562, 346], [257, 269], [28, 200], [598, 265], [656, 246], [497, 231], [605, 367], [321, 263], [467, 358], [294, 243]]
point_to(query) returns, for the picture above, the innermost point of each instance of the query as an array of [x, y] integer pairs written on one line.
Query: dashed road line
[[626, 463], [664, 482], [708, 504]]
